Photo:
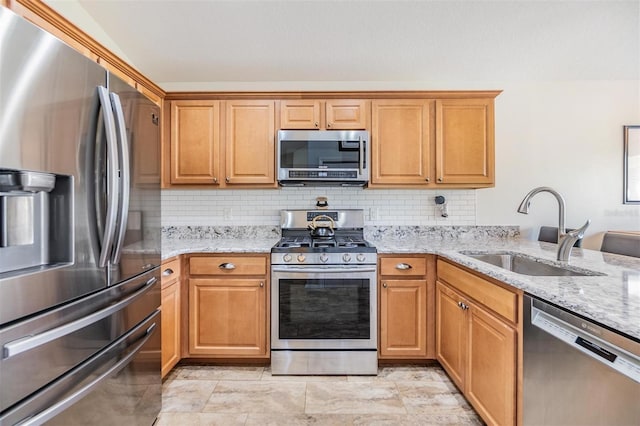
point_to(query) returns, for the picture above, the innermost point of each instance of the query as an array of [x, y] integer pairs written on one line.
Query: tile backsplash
[[262, 207]]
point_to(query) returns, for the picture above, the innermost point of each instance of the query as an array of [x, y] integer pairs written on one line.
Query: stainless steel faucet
[[566, 240]]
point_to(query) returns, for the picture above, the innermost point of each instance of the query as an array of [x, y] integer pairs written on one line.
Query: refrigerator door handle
[[112, 177], [25, 344], [67, 402], [125, 177]]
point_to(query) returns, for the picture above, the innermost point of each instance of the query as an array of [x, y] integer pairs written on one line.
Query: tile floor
[[411, 395]]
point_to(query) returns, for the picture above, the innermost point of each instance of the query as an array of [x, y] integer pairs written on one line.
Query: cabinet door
[[403, 318], [250, 142], [347, 114], [465, 141], [451, 334], [195, 142], [227, 317], [300, 114], [146, 144], [400, 139], [170, 322], [491, 378]]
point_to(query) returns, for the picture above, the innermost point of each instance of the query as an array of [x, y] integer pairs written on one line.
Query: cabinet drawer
[[228, 265], [170, 272], [494, 297], [403, 266]]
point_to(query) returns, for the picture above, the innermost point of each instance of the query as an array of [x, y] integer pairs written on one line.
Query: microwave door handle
[[361, 145], [112, 177]]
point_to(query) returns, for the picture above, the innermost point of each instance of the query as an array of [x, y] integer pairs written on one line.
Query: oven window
[[314, 154], [324, 309]]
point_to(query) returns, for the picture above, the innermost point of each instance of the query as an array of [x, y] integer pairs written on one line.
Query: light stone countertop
[[174, 247], [612, 300]]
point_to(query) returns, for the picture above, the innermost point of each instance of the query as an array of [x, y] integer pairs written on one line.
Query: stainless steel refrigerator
[[79, 238]]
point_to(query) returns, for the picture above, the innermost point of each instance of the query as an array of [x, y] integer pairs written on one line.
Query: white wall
[[567, 135]]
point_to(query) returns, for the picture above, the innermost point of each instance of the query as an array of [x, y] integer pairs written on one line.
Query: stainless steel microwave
[[323, 158]]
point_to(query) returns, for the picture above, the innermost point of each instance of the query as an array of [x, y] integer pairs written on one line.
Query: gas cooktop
[[348, 238]]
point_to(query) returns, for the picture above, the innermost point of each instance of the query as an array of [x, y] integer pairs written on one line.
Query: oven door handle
[[329, 270]]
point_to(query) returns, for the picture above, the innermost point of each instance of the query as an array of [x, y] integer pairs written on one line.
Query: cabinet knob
[[227, 265], [427, 179], [317, 124], [403, 266], [215, 180], [439, 179], [328, 125], [167, 272], [261, 283], [384, 285], [227, 179]]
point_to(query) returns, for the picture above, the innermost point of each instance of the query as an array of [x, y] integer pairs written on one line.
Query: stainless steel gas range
[[323, 299]]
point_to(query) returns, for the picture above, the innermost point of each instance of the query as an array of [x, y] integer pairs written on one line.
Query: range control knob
[[286, 258], [346, 257], [324, 258], [301, 258], [360, 257]]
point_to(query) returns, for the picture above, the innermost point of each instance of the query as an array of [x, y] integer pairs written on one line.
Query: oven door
[[323, 307]]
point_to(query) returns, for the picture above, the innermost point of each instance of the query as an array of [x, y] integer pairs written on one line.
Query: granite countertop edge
[[609, 300]]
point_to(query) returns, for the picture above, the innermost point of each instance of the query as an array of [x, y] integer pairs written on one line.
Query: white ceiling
[[194, 42]]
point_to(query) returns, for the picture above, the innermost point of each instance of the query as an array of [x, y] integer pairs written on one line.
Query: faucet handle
[[578, 234]]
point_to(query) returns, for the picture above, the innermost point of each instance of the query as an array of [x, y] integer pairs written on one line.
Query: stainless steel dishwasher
[[577, 372]]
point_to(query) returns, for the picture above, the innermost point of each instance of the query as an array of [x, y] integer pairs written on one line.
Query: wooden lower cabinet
[[451, 330], [171, 314], [228, 311], [476, 346], [406, 307], [403, 323], [491, 360]]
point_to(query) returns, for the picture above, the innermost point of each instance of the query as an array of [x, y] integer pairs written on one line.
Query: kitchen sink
[[529, 265]]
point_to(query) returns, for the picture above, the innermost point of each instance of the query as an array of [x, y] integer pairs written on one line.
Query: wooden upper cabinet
[[250, 142], [333, 114], [347, 114], [400, 142], [300, 114], [195, 142], [465, 141], [146, 155]]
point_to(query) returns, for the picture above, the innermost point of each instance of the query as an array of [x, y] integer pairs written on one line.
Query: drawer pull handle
[[227, 265], [403, 266], [167, 272]]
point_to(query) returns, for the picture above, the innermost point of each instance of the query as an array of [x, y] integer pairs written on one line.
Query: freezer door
[[137, 246], [36, 351], [120, 385], [49, 120]]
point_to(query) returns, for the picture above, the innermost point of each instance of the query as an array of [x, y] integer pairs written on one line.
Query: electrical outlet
[[373, 213]]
